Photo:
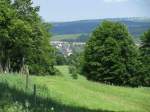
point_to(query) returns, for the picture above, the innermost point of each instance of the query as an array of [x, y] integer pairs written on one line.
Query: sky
[[71, 10]]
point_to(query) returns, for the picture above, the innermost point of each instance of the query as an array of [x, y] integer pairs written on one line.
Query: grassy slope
[[67, 36], [86, 94]]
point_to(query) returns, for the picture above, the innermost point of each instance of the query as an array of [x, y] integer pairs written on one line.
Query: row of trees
[[112, 57], [24, 38]]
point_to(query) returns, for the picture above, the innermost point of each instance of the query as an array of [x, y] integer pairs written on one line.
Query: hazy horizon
[[75, 10], [99, 19]]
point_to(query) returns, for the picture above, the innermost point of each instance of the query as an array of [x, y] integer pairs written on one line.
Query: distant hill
[[136, 26]]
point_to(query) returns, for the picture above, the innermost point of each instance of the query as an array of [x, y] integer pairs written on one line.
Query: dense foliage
[[145, 58], [111, 55], [60, 58], [24, 38]]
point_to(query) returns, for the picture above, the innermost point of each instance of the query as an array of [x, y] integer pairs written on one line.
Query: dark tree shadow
[[8, 95]]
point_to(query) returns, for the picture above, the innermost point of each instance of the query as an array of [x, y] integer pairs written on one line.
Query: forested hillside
[[136, 27]]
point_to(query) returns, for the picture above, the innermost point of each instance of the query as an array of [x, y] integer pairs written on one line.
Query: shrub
[[73, 72]]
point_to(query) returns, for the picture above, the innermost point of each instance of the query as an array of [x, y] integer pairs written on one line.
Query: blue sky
[[71, 10]]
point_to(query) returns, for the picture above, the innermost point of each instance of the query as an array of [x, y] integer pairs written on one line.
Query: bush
[[73, 72]]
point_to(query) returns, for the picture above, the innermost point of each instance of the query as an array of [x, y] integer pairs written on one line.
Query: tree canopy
[[24, 38], [145, 58], [111, 55]]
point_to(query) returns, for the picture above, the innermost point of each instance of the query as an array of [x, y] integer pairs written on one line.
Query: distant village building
[[66, 47]]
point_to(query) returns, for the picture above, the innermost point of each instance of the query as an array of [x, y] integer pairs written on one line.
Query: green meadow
[[65, 37], [64, 94]]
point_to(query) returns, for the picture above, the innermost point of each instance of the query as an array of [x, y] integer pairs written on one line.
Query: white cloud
[[115, 1]]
